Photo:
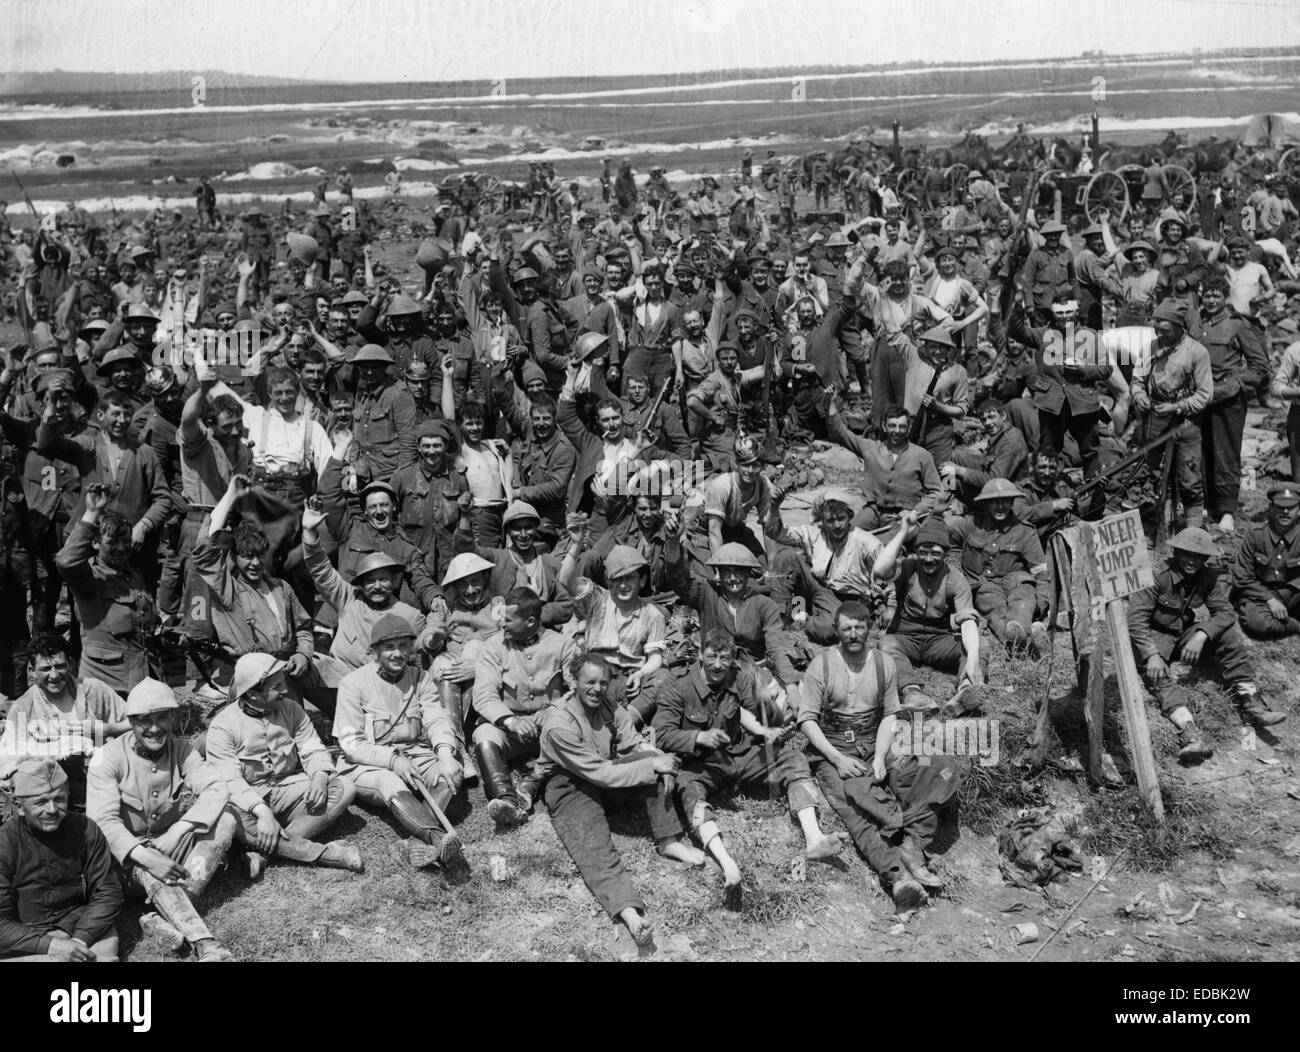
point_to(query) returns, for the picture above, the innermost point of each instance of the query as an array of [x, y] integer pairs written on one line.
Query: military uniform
[[427, 512], [1006, 569], [878, 816], [1238, 364], [383, 422], [116, 611], [689, 705], [601, 762], [1163, 617], [56, 884], [1268, 567]]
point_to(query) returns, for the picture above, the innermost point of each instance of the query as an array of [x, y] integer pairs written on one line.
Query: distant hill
[[61, 82]]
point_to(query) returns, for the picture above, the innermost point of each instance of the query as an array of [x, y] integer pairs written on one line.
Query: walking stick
[[423, 790]]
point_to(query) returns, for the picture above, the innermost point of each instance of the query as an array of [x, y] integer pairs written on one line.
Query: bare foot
[[681, 852], [824, 848]]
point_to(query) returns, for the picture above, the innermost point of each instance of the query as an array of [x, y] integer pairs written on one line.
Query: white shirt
[[280, 443]]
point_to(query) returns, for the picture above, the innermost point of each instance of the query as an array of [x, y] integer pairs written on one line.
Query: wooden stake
[[1135, 713]]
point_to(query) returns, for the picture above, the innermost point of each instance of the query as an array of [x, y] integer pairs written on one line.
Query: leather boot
[[503, 804], [429, 844], [452, 696], [1255, 708], [914, 863], [530, 786], [341, 856]]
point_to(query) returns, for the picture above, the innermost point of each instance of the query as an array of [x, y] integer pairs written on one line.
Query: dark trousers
[[1222, 427], [1053, 427], [756, 766], [912, 644], [578, 812], [1228, 654], [1186, 469], [879, 817], [1293, 439], [888, 379], [1001, 604], [1258, 620], [791, 576], [14, 637]]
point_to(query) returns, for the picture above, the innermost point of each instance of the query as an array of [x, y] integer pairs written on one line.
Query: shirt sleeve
[[564, 745], [104, 804], [312, 753], [812, 691], [350, 725]]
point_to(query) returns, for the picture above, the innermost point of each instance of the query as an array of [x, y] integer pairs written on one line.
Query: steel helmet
[[735, 555], [1194, 540], [996, 488], [589, 344]]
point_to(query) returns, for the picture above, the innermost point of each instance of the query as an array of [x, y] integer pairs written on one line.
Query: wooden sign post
[[1122, 566]]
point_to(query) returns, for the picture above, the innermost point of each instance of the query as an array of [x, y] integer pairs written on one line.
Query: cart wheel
[[954, 177], [1106, 190], [1180, 181]]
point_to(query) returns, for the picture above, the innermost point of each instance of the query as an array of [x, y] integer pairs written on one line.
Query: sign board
[[1123, 562]]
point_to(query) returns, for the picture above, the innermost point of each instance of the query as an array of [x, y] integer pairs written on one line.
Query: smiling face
[[999, 508], [896, 430], [593, 685], [1283, 517], [838, 521], [51, 673], [268, 695], [1213, 299], [379, 510], [473, 590], [543, 421], [994, 421], [716, 664], [377, 587], [931, 557], [519, 627], [114, 420], [610, 422], [250, 568], [152, 730], [45, 813], [371, 374], [284, 396], [626, 587], [471, 428], [734, 581], [1189, 563], [522, 534], [394, 655]]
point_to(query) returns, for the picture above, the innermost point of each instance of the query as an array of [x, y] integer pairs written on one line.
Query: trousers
[[579, 813], [1227, 653], [791, 576], [288, 803], [1258, 620], [1000, 604], [752, 768], [1222, 428], [911, 644]]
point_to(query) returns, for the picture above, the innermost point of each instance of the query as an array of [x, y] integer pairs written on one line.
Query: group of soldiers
[[524, 528]]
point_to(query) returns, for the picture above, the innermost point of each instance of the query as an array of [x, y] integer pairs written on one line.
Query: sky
[[428, 40]]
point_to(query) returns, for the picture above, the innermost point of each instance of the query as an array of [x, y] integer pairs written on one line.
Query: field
[[148, 144]]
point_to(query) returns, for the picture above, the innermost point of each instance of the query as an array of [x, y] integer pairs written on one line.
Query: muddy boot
[[341, 856], [429, 844], [908, 895], [914, 863], [915, 699], [529, 787], [153, 925], [1255, 708], [1040, 643], [209, 950], [503, 804], [1191, 749]]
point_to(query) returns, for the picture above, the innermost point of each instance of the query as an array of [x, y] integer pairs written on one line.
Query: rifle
[[646, 428], [1131, 459], [1009, 256], [30, 207], [918, 425]]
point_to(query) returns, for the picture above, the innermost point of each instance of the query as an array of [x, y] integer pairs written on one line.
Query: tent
[[1268, 130]]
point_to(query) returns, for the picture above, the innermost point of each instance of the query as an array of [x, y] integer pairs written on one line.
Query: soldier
[[546, 461], [522, 563], [1266, 575], [930, 597], [1238, 365], [520, 673], [1173, 386], [728, 499], [897, 473], [827, 562], [1005, 566], [282, 787], [136, 783], [415, 378], [710, 715], [383, 417], [1048, 494], [849, 715], [454, 343], [59, 894], [426, 495], [599, 753], [257, 244], [1162, 622], [1047, 273], [115, 608], [396, 737]]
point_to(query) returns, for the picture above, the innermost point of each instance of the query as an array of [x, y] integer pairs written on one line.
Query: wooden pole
[[1096, 136], [898, 149], [1135, 713]]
